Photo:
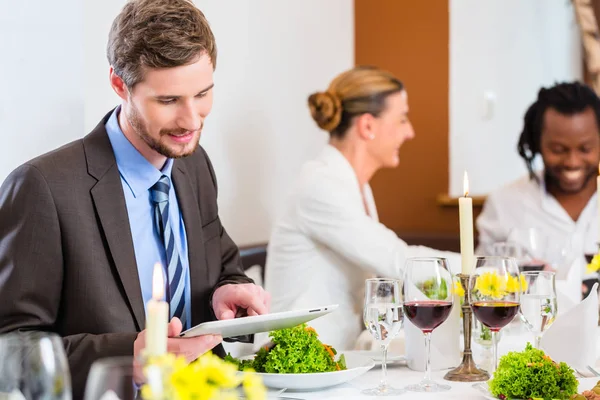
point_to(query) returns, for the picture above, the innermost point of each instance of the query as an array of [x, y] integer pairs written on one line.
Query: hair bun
[[326, 110]]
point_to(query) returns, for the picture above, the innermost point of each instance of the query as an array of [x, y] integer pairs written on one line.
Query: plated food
[[592, 394], [298, 360], [294, 350], [530, 374]]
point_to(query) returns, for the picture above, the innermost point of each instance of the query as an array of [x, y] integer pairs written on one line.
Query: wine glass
[[33, 365], [111, 379], [508, 249], [383, 319], [538, 302], [532, 245], [495, 293], [428, 299]]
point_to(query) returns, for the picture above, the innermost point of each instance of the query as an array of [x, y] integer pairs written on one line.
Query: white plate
[[356, 364], [482, 387], [377, 357], [259, 323]]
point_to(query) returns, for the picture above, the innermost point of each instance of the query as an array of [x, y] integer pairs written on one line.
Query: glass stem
[[383, 383], [495, 350], [427, 356], [538, 341]]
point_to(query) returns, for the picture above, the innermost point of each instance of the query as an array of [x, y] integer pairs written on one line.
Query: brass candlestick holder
[[467, 371]]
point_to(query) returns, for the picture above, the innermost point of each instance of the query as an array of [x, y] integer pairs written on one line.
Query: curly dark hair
[[566, 98]]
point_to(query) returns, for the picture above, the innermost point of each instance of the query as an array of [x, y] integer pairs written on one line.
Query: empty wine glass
[[428, 299], [495, 294], [383, 319], [111, 379], [507, 249], [33, 365], [538, 302]]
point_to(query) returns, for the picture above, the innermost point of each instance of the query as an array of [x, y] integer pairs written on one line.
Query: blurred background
[[471, 68]]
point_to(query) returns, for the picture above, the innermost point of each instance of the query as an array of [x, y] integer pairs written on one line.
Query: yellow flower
[[458, 289], [491, 285], [593, 266], [514, 285], [207, 378], [524, 284], [253, 386]]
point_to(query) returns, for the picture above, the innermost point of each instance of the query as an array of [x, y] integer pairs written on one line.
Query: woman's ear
[[365, 125]]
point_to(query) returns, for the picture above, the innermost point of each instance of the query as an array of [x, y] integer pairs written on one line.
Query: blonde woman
[[329, 238]]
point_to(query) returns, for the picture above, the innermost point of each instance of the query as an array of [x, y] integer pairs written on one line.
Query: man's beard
[[155, 144], [552, 180]]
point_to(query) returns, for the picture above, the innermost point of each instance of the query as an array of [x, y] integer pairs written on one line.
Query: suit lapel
[[190, 210], [110, 205]]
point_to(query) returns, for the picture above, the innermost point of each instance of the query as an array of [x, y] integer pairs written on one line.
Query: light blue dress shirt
[[137, 177]]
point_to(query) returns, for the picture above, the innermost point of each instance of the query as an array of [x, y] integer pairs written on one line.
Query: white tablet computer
[[258, 323]]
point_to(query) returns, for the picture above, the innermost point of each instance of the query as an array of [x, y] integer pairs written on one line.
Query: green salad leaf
[[532, 374], [434, 289], [295, 350]]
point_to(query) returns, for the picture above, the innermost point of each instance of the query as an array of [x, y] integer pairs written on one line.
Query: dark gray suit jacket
[[67, 262]]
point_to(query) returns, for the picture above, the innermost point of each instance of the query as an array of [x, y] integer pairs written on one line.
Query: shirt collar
[[137, 172], [334, 158]]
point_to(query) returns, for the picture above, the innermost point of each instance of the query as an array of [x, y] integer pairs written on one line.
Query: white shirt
[[325, 245], [525, 203]]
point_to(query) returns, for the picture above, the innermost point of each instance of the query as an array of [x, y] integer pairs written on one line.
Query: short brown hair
[[361, 90], [158, 34]]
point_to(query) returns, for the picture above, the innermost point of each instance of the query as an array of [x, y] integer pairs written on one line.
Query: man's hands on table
[[190, 348], [228, 301]]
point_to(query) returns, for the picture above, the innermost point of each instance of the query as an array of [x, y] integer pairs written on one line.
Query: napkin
[[568, 284], [572, 337]]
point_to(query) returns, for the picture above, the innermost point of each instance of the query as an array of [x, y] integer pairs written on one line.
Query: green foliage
[[531, 374], [434, 289], [296, 350]]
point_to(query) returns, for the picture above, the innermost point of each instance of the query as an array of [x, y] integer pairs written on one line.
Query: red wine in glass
[[427, 315], [495, 314], [531, 267]]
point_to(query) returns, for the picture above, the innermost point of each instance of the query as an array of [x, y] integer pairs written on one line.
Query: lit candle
[[465, 211], [157, 316]]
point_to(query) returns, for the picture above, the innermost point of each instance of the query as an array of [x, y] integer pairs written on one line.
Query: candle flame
[[158, 284], [598, 168], [466, 184]]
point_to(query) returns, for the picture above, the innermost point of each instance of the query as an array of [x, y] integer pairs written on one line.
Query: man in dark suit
[[82, 226]]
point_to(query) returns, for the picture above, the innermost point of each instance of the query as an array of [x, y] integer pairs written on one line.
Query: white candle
[[157, 316], [465, 211]]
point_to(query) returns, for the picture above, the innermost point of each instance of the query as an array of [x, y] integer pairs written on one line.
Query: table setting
[[494, 330]]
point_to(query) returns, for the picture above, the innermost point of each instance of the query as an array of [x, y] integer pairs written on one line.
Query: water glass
[[538, 302], [383, 319], [111, 379], [33, 365]]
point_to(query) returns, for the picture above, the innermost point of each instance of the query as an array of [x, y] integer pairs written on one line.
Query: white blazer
[[325, 244]]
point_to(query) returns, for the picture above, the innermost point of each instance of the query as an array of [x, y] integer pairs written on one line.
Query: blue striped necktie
[[160, 196]]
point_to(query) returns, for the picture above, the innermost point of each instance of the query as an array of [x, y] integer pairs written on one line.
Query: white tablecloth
[[400, 377], [513, 339]]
